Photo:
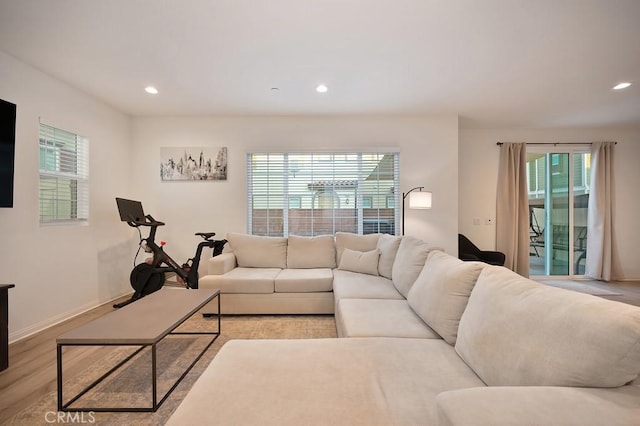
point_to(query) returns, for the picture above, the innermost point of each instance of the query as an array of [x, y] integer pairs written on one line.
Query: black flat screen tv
[[7, 151]]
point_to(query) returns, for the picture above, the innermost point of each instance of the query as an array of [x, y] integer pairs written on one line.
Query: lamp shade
[[420, 200]]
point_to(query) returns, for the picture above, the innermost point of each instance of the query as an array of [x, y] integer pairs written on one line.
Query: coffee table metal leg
[[219, 313], [154, 384], [66, 406], [59, 368]]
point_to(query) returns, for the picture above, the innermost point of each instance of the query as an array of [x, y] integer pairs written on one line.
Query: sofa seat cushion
[[381, 381], [441, 292], [304, 280], [311, 252], [242, 280], [254, 251], [539, 405], [380, 318], [516, 332], [353, 285]]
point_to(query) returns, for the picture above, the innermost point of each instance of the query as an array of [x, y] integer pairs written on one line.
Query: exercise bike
[[149, 276]]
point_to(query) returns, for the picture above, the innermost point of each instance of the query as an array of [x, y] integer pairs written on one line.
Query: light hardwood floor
[[32, 361], [625, 291]]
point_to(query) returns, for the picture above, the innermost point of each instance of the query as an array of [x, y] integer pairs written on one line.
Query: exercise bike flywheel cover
[[145, 280]]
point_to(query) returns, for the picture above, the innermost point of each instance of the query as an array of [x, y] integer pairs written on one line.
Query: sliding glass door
[[558, 183]]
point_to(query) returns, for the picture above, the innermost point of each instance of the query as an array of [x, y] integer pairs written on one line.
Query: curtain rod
[[555, 143]]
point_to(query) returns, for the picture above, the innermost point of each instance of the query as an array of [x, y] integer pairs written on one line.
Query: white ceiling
[[534, 63]]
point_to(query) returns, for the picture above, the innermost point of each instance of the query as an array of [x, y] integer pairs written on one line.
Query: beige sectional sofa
[[430, 340], [277, 275]]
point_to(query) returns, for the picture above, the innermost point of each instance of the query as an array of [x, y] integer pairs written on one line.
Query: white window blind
[[307, 194], [64, 176]]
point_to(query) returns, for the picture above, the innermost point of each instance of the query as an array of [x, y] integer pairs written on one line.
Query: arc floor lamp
[[417, 200]]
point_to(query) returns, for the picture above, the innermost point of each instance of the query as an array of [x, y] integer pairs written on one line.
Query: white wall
[[478, 163], [428, 157], [60, 271]]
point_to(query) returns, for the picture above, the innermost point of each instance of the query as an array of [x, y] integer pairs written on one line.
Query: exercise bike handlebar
[[148, 221]]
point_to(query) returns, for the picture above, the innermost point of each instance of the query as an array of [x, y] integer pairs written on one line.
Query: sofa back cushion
[[253, 251], [516, 332], [410, 259], [441, 292], [388, 248], [311, 252], [354, 242]]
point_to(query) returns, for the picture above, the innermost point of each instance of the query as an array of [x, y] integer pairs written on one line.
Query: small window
[[391, 202], [295, 202], [64, 176]]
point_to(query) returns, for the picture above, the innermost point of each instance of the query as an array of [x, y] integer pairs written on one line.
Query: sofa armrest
[[539, 405], [221, 264]]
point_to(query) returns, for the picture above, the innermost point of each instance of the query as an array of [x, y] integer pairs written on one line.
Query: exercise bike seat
[[206, 235]]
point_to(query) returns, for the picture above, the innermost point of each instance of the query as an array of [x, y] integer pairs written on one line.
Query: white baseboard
[[50, 322]]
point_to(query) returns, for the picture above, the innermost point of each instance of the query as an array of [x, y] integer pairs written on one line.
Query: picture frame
[[193, 163]]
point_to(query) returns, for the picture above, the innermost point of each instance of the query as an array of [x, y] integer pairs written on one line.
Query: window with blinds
[[64, 176], [309, 194]]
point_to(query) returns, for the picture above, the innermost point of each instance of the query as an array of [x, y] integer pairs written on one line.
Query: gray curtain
[[512, 207], [600, 250]]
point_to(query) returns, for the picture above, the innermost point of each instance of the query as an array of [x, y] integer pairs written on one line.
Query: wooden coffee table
[[143, 323]]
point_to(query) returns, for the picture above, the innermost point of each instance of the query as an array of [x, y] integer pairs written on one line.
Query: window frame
[[352, 168], [63, 185]]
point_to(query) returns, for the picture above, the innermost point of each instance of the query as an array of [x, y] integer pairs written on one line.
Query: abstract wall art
[[193, 163]]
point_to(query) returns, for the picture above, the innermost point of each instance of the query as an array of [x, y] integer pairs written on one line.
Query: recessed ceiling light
[[151, 89], [321, 88], [621, 86]]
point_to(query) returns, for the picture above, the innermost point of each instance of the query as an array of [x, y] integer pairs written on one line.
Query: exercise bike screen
[[130, 210]]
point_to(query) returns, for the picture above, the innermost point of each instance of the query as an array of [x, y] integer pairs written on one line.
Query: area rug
[[579, 286], [131, 384]]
